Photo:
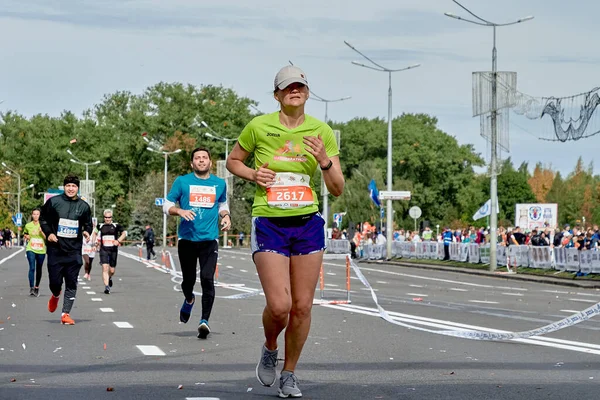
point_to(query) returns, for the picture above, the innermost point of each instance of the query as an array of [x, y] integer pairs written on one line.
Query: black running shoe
[[110, 282], [107, 290]]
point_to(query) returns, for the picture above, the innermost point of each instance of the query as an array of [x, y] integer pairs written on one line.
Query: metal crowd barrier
[[542, 257]]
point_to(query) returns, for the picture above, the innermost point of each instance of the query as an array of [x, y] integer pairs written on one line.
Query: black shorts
[[109, 257]]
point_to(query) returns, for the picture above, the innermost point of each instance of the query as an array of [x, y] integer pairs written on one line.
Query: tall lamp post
[[85, 192], [151, 147], [10, 171], [377, 67], [494, 126], [316, 97], [213, 135]]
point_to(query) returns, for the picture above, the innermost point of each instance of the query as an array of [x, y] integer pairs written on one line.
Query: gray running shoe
[[288, 385], [32, 292], [265, 369]]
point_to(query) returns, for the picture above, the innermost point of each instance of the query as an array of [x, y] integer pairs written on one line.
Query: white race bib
[[36, 244], [203, 196], [67, 228], [108, 240], [290, 190]]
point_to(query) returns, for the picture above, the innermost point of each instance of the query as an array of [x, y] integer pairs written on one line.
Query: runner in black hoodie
[[65, 220]]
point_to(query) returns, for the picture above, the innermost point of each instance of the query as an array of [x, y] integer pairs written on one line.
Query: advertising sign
[[536, 215]]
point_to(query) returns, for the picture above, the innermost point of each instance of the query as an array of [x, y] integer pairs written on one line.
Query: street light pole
[[212, 134], [380, 68], [152, 146], [325, 192], [494, 128], [87, 177], [11, 171]]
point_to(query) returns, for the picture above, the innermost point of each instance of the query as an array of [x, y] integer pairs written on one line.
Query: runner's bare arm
[[263, 176]]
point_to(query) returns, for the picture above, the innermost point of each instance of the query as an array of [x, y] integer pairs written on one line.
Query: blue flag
[[374, 193]]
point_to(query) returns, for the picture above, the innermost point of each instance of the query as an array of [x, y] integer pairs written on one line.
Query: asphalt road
[[132, 341]]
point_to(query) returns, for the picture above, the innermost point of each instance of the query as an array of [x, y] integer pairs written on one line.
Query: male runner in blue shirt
[[202, 198]]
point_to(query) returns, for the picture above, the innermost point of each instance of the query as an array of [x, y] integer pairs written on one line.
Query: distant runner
[[110, 237], [35, 251]]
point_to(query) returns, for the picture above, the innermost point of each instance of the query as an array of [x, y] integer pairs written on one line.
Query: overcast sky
[[66, 54]]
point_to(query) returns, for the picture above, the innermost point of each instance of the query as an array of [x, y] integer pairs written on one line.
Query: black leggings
[[67, 270], [206, 253]]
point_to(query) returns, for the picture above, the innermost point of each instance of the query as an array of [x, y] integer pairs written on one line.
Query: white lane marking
[[243, 258], [330, 273], [570, 311], [513, 294], [331, 285], [554, 291], [90, 292], [150, 350], [243, 270], [417, 294], [96, 299], [86, 287], [107, 310], [123, 324], [588, 294], [202, 398], [382, 271], [589, 348], [11, 256], [511, 288], [583, 300], [229, 266], [364, 288], [415, 285], [381, 282], [458, 289], [483, 302]]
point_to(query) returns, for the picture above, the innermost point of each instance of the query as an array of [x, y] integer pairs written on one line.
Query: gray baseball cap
[[288, 75]]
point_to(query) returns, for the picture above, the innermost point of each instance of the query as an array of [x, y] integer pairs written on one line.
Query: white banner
[[536, 215]]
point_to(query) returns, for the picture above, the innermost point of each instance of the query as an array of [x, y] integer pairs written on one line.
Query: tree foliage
[[431, 164]]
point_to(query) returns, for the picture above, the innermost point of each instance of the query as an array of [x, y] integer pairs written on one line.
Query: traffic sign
[[394, 195], [17, 221], [414, 212], [159, 201], [19, 215]]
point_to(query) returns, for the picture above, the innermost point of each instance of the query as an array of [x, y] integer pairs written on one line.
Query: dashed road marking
[[417, 294], [123, 324], [90, 292], [513, 294], [243, 270], [458, 289], [96, 299], [570, 311], [483, 302], [330, 273], [107, 310], [150, 350], [415, 285], [86, 287], [584, 300]]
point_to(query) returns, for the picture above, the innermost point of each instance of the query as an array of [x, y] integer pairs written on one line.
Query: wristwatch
[[327, 167]]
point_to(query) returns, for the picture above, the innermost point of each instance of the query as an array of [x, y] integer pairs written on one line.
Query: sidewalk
[[498, 274]]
